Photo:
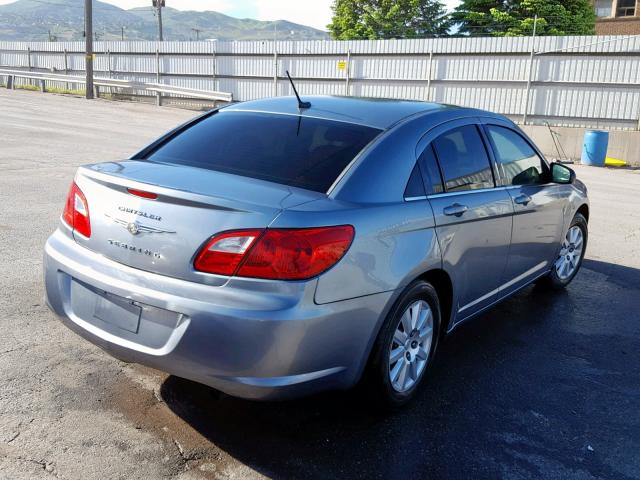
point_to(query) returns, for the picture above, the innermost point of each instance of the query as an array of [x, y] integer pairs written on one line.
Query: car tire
[[380, 388], [556, 279]]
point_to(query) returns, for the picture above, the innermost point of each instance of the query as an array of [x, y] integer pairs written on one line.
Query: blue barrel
[[594, 148]]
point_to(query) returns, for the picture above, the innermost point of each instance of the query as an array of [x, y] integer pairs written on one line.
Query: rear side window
[[288, 149], [518, 162], [415, 185], [463, 160], [432, 171]]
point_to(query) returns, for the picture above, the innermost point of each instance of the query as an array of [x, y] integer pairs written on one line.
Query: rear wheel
[[571, 253], [405, 345]]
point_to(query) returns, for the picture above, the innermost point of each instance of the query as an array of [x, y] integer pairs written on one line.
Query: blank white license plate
[[118, 311]]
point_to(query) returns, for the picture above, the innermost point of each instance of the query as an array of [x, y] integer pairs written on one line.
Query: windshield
[[288, 149]]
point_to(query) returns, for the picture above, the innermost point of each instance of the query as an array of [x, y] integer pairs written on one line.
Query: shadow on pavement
[[523, 391]]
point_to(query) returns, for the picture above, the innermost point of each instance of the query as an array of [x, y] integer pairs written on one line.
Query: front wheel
[[405, 345], [571, 253]]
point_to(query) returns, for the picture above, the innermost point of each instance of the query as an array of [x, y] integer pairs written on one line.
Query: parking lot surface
[[546, 385]]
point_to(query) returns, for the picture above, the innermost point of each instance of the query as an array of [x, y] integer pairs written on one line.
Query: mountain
[[179, 25], [40, 20]]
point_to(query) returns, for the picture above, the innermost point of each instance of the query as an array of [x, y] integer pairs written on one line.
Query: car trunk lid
[[163, 234]]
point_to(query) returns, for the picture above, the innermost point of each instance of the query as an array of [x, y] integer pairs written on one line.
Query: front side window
[[518, 162], [463, 160], [292, 150]]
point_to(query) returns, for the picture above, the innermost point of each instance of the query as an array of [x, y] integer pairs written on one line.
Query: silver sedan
[[272, 248]]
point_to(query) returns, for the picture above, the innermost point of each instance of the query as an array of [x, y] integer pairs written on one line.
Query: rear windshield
[[288, 149]]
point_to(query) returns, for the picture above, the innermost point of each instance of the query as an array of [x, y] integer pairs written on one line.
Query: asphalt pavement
[[546, 385]]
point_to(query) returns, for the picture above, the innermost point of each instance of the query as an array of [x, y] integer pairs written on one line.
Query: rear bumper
[[249, 338]]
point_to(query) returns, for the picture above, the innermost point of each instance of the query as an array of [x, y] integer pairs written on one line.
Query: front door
[[538, 206]]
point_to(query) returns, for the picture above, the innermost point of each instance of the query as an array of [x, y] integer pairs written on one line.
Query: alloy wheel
[[570, 253], [410, 346]]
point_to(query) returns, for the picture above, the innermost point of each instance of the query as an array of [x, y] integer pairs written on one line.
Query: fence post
[[428, 99], [346, 85], [10, 82], [66, 67], [29, 81], [529, 79], [109, 69], [215, 86], [158, 94], [275, 73]]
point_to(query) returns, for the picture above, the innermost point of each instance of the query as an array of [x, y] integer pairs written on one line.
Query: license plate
[[118, 311]]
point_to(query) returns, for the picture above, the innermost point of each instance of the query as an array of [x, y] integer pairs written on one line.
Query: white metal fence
[[572, 81]]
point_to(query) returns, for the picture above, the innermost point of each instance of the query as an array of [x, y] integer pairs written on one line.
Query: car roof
[[379, 113]]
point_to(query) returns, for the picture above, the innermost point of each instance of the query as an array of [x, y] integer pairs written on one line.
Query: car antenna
[[301, 104]]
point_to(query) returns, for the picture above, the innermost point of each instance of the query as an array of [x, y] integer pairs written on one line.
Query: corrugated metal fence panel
[[580, 78], [606, 69], [478, 68]]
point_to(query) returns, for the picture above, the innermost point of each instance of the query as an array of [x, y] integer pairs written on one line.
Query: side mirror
[[562, 174]]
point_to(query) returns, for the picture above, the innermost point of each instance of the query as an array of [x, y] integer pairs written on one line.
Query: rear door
[[538, 204], [473, 217]]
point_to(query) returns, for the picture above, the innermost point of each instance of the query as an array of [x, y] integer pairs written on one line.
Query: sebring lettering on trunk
[[133, 248]]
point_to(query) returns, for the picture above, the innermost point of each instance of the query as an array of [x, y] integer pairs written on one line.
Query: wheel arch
[[441, 281], [584, 211]]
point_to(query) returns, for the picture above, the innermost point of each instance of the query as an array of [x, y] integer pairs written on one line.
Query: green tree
[[375, 19], [570, 17], [516, 17], [473, 17]]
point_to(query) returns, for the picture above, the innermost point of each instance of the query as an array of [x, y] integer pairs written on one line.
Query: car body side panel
[[393, 245], [576, 197]]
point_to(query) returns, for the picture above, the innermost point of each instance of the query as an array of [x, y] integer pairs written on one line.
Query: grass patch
[[36, 88], [32, 88], [64, 91]]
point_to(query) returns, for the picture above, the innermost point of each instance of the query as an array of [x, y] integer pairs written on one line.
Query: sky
[[315, 13]]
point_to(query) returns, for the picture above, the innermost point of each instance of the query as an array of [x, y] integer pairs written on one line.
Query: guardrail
[[158, 88]]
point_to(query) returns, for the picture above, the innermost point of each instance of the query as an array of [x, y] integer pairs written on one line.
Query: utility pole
[[88, 39], [158, 4], [530, 79], [197, 30], [122, 33]]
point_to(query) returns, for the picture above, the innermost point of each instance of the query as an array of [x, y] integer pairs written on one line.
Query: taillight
[[223, 253], [279, 254], [76, 211]]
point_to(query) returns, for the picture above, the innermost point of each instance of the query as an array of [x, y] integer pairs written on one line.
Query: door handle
[[522, 199], [455, 209]]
